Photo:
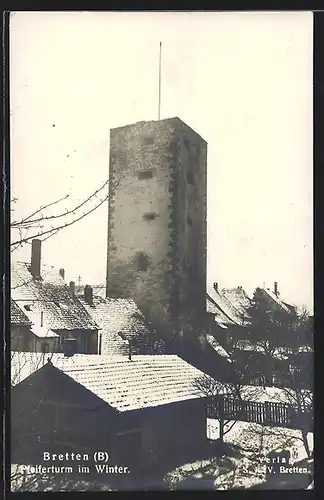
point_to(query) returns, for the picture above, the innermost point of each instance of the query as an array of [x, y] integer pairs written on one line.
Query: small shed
[[140, 411]]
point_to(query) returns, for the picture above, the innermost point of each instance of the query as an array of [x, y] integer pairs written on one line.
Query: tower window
[[145, 174], [190, 178], [189, 221], [150, 216], [186, 143], [142, 261]]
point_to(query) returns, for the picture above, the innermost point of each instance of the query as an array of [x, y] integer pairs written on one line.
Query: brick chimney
[[88, 295], [72, 287], [35, 263], [216, 287], [62, 273], [275, 289]]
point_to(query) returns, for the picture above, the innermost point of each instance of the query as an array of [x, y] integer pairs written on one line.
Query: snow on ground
[[256, 437], [257, 441], [247, 467], [260, 394]]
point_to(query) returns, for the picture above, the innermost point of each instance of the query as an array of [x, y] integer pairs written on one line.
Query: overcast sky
[[243, 81]]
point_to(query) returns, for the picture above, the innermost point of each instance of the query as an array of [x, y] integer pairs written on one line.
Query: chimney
[[88, 295], [100, 344], [69, 346], [72, 287], [130, 350], [35, 264], [62, 273], [276, 289], [216, 287]]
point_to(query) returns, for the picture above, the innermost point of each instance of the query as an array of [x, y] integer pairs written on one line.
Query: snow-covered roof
[[142, 382], [239, 299], [276, 299], [225, 313], [43, 332], [218, 348], [48, 301], [119, 321], [17, 316]]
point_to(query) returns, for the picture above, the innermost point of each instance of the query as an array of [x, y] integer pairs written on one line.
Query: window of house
[[27, 307], [145, 174], [186, 143], [189, 221], [142, 261], [150, 216], [148, 140]]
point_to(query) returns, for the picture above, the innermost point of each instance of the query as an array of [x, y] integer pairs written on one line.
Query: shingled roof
[[239, 299], [276, 300], [119, 320], [225, 312], [17, 316], [145, 381], [48, 298]]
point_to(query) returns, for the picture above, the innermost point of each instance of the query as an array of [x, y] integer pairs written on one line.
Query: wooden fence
[[272, 414]]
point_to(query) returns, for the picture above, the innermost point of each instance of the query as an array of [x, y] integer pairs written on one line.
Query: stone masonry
[[157, 234]]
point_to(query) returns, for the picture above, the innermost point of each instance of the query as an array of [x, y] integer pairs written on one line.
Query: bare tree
[[211, 388], [43, 224]]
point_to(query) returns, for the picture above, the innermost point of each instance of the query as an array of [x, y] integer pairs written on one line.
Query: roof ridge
[[222, 310], [232, 305]]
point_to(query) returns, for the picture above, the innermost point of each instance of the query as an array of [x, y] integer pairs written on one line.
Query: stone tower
[[157, 234]]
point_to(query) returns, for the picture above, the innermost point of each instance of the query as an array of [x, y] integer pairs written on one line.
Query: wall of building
[[20, 338], [159, 260], [23, 340], [175, 430], [87, 340], [49, 411]]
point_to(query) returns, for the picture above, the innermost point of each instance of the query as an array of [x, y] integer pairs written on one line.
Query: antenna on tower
[[160, 56]]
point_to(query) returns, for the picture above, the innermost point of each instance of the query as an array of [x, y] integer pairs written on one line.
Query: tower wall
[[157, 219]]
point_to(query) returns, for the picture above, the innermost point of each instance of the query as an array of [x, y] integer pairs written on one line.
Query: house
[[240, 300], [19, 326], [141, 411], [52, 308], [227, 311], [274, 301], [120, 321], [26, 336]]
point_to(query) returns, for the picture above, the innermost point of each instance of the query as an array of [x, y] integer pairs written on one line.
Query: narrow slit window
[[145, 174], [142, 261], [150, 216], [190, 177]]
